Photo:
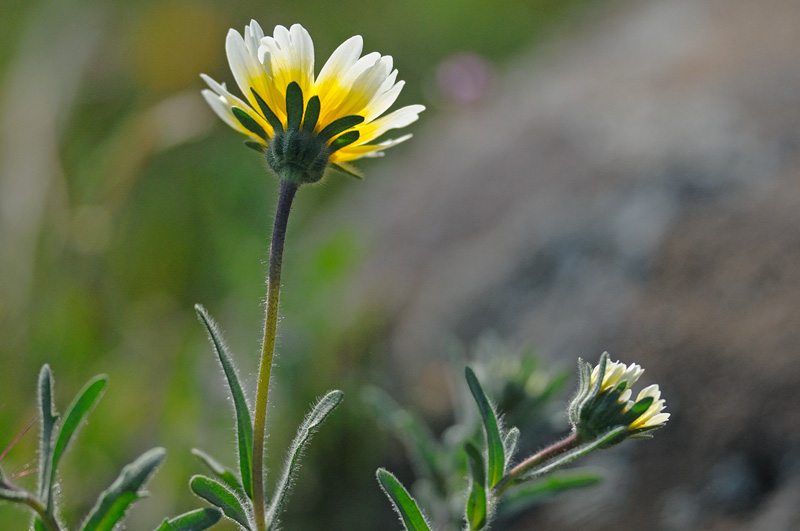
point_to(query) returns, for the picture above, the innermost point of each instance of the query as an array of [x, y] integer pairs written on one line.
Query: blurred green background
[[125, 201]]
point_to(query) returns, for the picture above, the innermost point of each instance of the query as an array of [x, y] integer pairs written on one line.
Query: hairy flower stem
[[285, 198], [537, 459]]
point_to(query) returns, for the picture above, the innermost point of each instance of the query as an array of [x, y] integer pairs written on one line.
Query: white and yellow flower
[[302, 122], [604, 403]]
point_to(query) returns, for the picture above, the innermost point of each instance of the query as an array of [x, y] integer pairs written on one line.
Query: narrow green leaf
[[520, 498], [477, 509], [244, 424], [312, 114], [343, 141], [510, 444], [572, 455], [48, 416], [339, 126], [76, 412], [403, 503], [310, 424], [125, 490], [269, 115], [347, 169], [256, 146], [294, 106], [196, 520], [222, 472], [38, 525], [491, 428], [221, 496], [249, 123]]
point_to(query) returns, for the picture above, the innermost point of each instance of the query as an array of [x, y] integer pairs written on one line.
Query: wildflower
[[304, 123], [604, 402]]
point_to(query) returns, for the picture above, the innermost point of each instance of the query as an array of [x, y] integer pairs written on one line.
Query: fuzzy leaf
[[510, 444], [222, 472], [244, 424], [125, 490], [48, 416], [221, 496], [76, 412], [477, 510], [491, 428], [196, 520], [310, 424], [249, 123], [403, 503], [520, 498]]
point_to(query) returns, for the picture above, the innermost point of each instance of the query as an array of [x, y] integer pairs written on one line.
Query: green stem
[[285, 198], [19, 495], [535, 460]]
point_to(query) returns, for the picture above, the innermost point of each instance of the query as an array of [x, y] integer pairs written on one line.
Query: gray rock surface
[[632, 188]]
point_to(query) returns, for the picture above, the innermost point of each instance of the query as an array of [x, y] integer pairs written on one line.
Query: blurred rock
[[632, 187]]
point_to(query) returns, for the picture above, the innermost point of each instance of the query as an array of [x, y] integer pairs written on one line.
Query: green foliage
[[196, 520], [76, 414], [315, 418], [520, 498], [232, 496], [491, 427], [477, 509], [221, 496], [223, 473], [478, 447], [48, 417], [244, 423], [114, 502], [403, 503], [55, 439]]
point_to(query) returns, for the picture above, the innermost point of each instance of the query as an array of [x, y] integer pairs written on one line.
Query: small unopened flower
[[304, 122], [604, 402]]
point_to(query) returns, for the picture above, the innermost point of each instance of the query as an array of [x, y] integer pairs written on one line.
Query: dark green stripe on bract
[[270, 116], [294, 106], [249, 123], [312, 114], [339, 126], [344, 140]]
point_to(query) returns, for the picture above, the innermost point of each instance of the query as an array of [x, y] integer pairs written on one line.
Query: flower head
[[604, 402], [301, 122]]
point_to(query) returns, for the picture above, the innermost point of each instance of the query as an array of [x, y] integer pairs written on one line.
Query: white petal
[[397, 119], [386, 145], [220, 107], [383, 101], [341, 60], [649, 391], [245, 65], [303, 49]]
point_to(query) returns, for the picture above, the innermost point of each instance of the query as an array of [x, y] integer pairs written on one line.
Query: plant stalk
[[25, 497], [535, 460], [285, 198]]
